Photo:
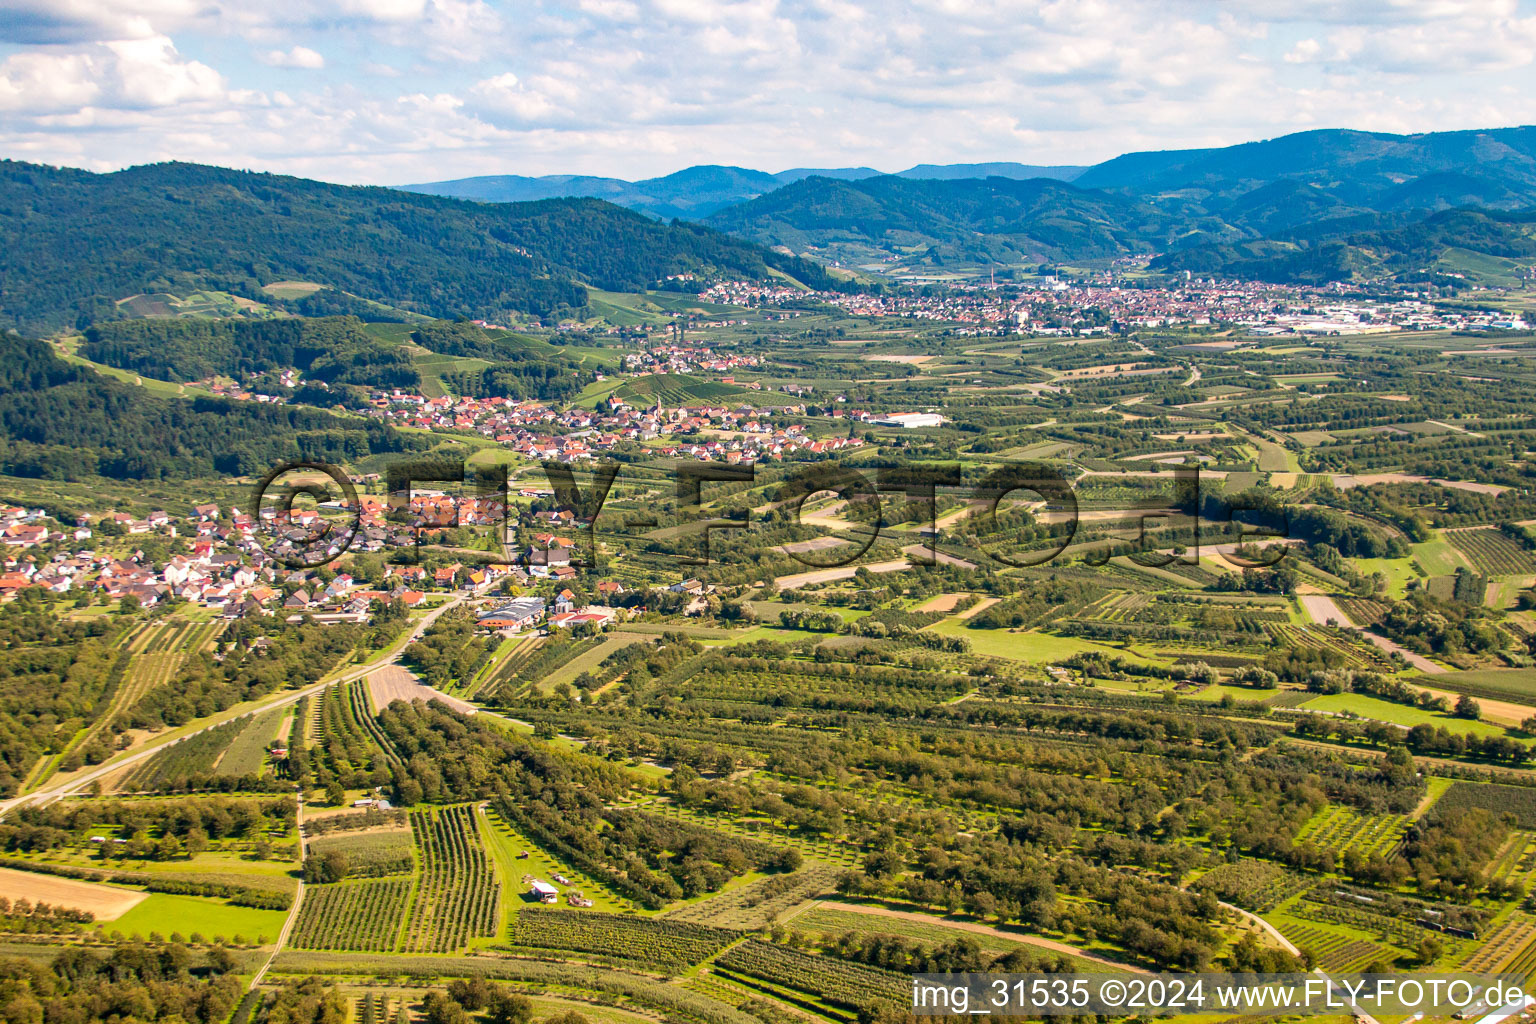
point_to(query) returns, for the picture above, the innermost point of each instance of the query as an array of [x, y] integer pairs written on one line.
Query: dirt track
[[979, 929], [1322, 608]]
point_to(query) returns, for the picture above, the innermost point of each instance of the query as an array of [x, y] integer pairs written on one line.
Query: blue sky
[[396, 91]]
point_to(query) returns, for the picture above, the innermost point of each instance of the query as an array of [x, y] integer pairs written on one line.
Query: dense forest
[[333, 349], [72, 243], [65, 422]]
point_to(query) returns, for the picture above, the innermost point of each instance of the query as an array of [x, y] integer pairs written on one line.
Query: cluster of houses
[[687, 359], [528, 428], [1102, 303]]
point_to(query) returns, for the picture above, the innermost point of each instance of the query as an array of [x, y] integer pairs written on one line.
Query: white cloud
[[636, 87], [297, 57], [125, 73]]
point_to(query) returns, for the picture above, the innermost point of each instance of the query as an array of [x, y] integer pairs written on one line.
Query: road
[[62, 789], [293, 911], [1323, 608], [979, 929], [1290, 947]]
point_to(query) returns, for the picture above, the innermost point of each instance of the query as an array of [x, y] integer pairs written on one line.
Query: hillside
[[692, 193], [72, 243], [64, 422], [1370, 169], [983, 219], [696, 192], [1432, 248]]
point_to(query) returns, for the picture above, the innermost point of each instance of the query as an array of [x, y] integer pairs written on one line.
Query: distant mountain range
[[1301, 207], [696, 192]]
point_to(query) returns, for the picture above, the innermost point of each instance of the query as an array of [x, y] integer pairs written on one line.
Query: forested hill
[[1492, 167], [60, 421], [73, 242], [1407, 249], [994, 218]]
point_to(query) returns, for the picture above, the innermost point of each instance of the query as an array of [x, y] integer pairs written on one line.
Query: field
[[361, 915], [107, 903], [392, 683], [668, 944], [458, 892], [163, 914], [1397, 714], [1492, 553]]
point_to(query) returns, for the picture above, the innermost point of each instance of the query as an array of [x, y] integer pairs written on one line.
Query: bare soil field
[[392, 683], [845, 572], [104, 901], [979, 606], [941, 603]]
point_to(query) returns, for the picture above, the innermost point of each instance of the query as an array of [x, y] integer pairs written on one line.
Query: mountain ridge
[[73, 242]]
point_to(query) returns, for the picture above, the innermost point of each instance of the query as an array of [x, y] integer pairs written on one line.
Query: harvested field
[[392, 683], [104, 901], [941, 603], [979, 606]]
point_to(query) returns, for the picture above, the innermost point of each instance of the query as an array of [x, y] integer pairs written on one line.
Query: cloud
[[129, 74], [297, 57], [426, 89]]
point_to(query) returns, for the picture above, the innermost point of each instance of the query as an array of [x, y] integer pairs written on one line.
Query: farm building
[[518, 614]]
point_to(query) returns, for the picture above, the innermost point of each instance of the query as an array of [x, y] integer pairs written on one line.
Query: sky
[[402, 91]]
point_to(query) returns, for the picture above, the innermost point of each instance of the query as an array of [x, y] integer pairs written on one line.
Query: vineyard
[[1492, 553], [458, 898], [1346, 644], [1339, 828], [1503, 943], [1523, 965], [1515, 863], [801, 684], [1362, 611], [363, 915], [827, 980], [174, 636], [1335, 951], [665, 943], [502, 678]]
